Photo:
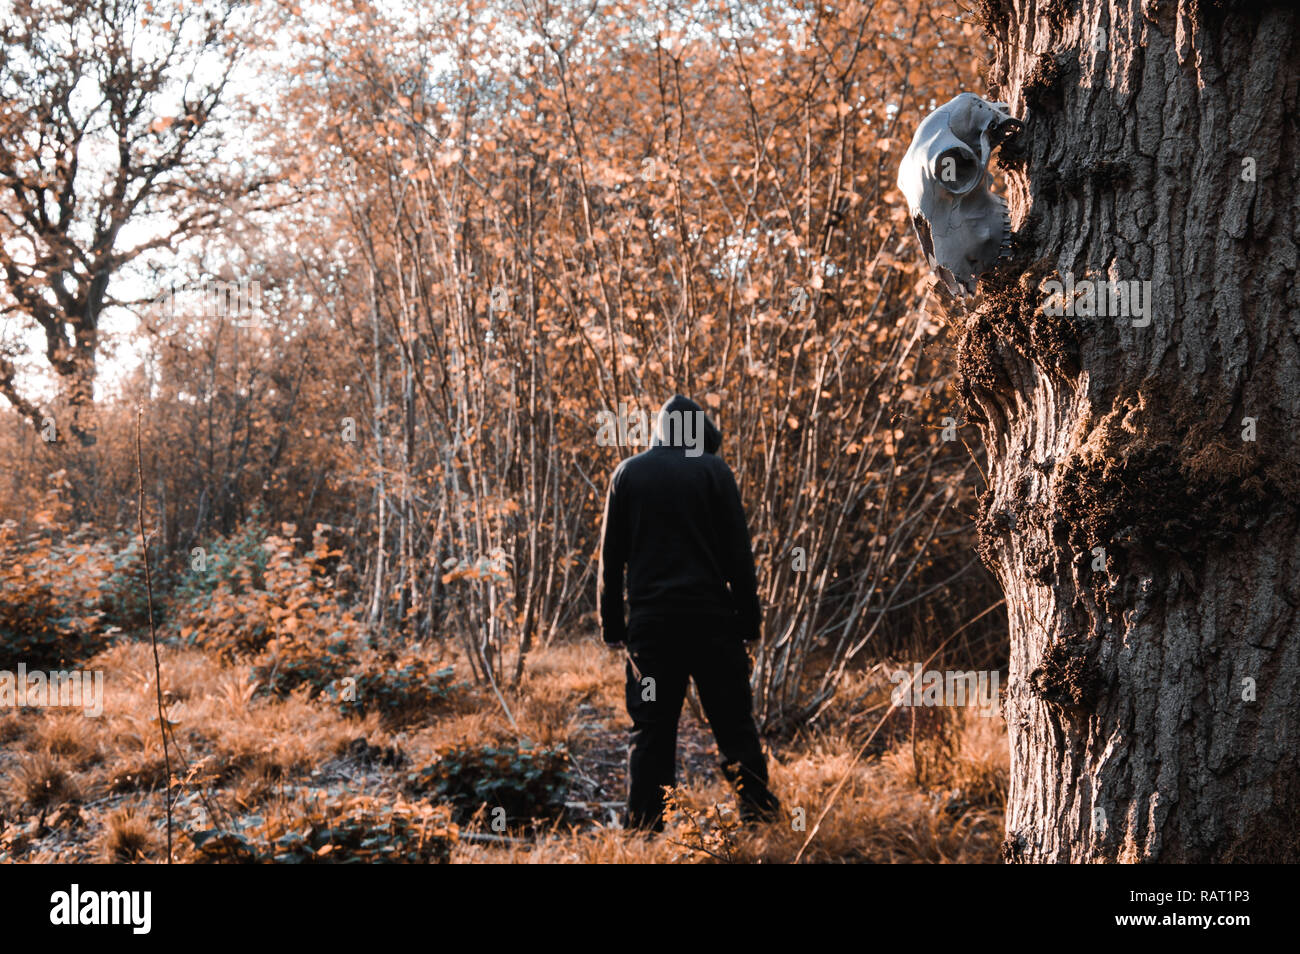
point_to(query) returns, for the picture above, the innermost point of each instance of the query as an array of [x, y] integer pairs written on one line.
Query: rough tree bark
[[1149, 550]]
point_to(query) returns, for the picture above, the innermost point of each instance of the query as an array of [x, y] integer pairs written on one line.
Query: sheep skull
[[963, 227]]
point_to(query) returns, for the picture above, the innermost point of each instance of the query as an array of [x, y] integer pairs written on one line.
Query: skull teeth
[[1006, 227]]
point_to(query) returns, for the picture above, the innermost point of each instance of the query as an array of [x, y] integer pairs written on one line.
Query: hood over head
[[683, 423]]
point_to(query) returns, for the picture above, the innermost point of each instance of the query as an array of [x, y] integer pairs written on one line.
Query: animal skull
[[963, 227]]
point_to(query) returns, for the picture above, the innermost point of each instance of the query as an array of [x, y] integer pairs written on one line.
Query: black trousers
[[666, 655]]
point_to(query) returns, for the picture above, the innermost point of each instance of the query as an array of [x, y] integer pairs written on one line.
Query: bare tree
[[1145, 461], [110, 118]]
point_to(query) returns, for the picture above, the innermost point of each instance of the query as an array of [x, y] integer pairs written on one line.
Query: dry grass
[[40, 782], [128, 837], [880, 816], [937, 797], [69, 735]]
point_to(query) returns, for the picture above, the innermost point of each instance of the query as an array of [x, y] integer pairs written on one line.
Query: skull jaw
[[977, 234]]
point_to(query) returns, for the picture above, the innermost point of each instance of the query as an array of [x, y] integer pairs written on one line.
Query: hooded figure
[[674, 520], [682, 423]]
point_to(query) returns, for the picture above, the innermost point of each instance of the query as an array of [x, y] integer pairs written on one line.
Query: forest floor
[[291, 778]]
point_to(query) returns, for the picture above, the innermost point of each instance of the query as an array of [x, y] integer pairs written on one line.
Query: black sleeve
[[740, 558], [613, 557]]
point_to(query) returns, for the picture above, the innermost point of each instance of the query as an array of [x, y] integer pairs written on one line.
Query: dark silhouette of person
[[674, 519]]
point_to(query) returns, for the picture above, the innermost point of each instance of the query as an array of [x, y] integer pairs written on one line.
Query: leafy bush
[[33, 629], [528, 782], [289, 665], [280, 607], [230, 564], [338, 830], [257, 594], [63, 595], [124, 598], [399, 688]]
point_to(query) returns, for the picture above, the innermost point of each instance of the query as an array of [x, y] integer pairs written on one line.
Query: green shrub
[[33, 629], [339, 830], [59, 595], [229, 564], [256, 591], [399, 688], [529, 783], [288, 665]]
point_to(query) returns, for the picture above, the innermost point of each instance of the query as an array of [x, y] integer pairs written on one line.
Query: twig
[[701, 848], [635, 671], [153, 632], [491, 839], [500, 698]]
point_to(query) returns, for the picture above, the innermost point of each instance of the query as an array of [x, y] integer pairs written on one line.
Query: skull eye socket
[[958, 169]]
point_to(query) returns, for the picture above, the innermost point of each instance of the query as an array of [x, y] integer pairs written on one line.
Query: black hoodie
[[674, 518]]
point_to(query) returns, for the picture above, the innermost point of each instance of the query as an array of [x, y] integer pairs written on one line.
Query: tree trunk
[[78, 383], [1142, 504]]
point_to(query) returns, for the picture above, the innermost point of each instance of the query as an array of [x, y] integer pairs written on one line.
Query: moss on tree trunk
[[1142, 511]]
